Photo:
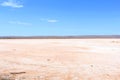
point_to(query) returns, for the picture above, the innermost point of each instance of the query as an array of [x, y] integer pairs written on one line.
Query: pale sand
[[61, 59]]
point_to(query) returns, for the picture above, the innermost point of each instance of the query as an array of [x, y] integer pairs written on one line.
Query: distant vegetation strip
[[61, 37]]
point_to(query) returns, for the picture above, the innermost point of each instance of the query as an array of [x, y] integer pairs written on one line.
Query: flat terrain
[[60, 59]]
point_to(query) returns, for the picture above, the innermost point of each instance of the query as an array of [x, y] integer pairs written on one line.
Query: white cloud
[[20, 23], [52, 21], [12, 3], [49, 20]]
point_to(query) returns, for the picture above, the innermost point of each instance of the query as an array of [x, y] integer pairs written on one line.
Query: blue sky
[[59, 17]]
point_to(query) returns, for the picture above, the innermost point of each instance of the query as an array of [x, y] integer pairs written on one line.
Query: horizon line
[[61, 37]]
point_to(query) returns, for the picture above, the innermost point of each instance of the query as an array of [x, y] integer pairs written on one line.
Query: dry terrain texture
[[60, 59]]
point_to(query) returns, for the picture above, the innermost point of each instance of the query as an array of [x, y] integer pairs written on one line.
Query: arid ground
[[60, 59]]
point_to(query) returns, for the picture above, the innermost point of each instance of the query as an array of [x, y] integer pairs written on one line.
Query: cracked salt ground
[[59, 59]]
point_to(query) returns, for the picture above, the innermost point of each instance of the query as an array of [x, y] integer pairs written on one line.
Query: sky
[[59, 17]]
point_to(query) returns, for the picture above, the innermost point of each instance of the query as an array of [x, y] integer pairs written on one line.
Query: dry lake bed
[[60, 59]]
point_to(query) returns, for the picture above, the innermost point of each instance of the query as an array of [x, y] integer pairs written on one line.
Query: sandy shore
[[60, 59]]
